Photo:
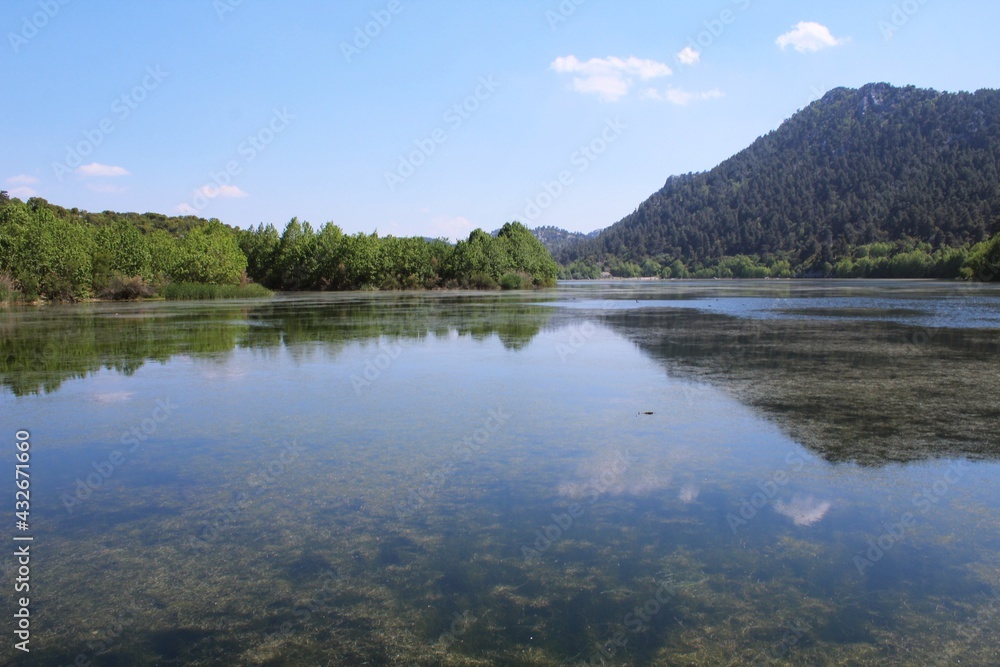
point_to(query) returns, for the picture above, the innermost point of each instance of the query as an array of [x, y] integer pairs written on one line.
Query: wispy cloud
[[23, 192], [22, 181], [225, 191], [689, 56], [809, 37], [97, 169], [610, 78], [681, 97]]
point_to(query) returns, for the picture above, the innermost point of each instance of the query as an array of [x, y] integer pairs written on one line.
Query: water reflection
[[803, 510], [521, 484], [866, 391], [40, 349]]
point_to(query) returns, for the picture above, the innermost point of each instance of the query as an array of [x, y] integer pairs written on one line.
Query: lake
[[634, 473]]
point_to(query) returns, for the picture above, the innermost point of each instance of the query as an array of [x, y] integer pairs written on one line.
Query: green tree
[[329, 250], [260, 246], [479, 261], [524, 253], [48, 257], [362, 261], [983, 261], [210, 254], [294, 266], [120, 249], [164, 253]]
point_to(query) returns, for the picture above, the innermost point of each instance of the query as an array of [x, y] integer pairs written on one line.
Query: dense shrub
[[983, 261], [126, 288]]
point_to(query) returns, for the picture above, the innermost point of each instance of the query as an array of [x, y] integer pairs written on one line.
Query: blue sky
[[446, 115]]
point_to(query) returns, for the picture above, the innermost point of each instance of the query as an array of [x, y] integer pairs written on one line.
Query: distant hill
[[177, 225], [556, 240], [916, 168]]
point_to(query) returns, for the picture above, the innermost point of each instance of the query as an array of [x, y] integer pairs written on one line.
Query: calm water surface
[[705, 473]]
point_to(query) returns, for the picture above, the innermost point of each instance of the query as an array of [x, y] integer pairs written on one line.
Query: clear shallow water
[[474, 478]]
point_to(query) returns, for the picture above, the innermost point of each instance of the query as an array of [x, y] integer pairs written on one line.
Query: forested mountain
[[900, 170], [556, 240]]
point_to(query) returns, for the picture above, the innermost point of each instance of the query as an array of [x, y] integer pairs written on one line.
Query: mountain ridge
[[877, 164]]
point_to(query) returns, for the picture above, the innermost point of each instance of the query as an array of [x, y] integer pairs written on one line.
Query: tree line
[[304, 258], [49, 252], [899, 259]]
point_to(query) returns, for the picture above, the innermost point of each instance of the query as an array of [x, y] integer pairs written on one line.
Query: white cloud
[[803, 510], [225, 191], [681, 97], [96, 169], [22, 181], [689, 493], [452, 228], [611, 77], [22, 192], [209, 191], [809, 37], [689, 56]]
